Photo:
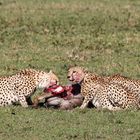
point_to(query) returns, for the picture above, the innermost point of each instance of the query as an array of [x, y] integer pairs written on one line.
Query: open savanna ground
[[101, 35]]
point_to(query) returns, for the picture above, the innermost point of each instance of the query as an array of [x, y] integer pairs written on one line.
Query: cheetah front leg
[[22, 101], [87, 99]]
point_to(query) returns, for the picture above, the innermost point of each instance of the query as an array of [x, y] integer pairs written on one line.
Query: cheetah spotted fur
[[16, 88], [101, 92]]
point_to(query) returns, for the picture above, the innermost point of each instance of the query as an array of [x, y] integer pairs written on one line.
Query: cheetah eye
[[74, 71]]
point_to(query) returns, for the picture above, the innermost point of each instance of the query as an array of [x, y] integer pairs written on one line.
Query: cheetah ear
[[85, 69], [71, 65], [50, 71]]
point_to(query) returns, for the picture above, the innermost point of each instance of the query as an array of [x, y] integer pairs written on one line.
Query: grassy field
[[102, 35]]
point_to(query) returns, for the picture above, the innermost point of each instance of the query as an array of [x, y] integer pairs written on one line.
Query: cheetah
[[17, 87], [101, 93], [133, 85]]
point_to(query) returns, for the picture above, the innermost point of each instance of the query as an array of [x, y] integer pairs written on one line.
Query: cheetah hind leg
[[105, 103], [114, 108]]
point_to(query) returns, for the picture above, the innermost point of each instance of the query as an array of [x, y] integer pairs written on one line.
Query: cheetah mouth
[[72, 80], [53, 86]]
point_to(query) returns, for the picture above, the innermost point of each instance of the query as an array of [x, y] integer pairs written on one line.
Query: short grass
[[103, 36]]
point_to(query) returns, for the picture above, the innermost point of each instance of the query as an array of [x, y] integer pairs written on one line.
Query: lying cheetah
[[133, 85], [102, 93], [18, 87]]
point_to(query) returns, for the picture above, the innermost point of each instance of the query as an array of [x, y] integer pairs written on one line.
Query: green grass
[[19, 123], [103, 36]]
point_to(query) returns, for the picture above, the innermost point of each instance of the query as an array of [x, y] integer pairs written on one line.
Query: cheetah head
[[47, 80], [76, 74]]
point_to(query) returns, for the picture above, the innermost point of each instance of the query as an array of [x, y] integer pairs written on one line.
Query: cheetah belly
[[7, 99], [7, 96]]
